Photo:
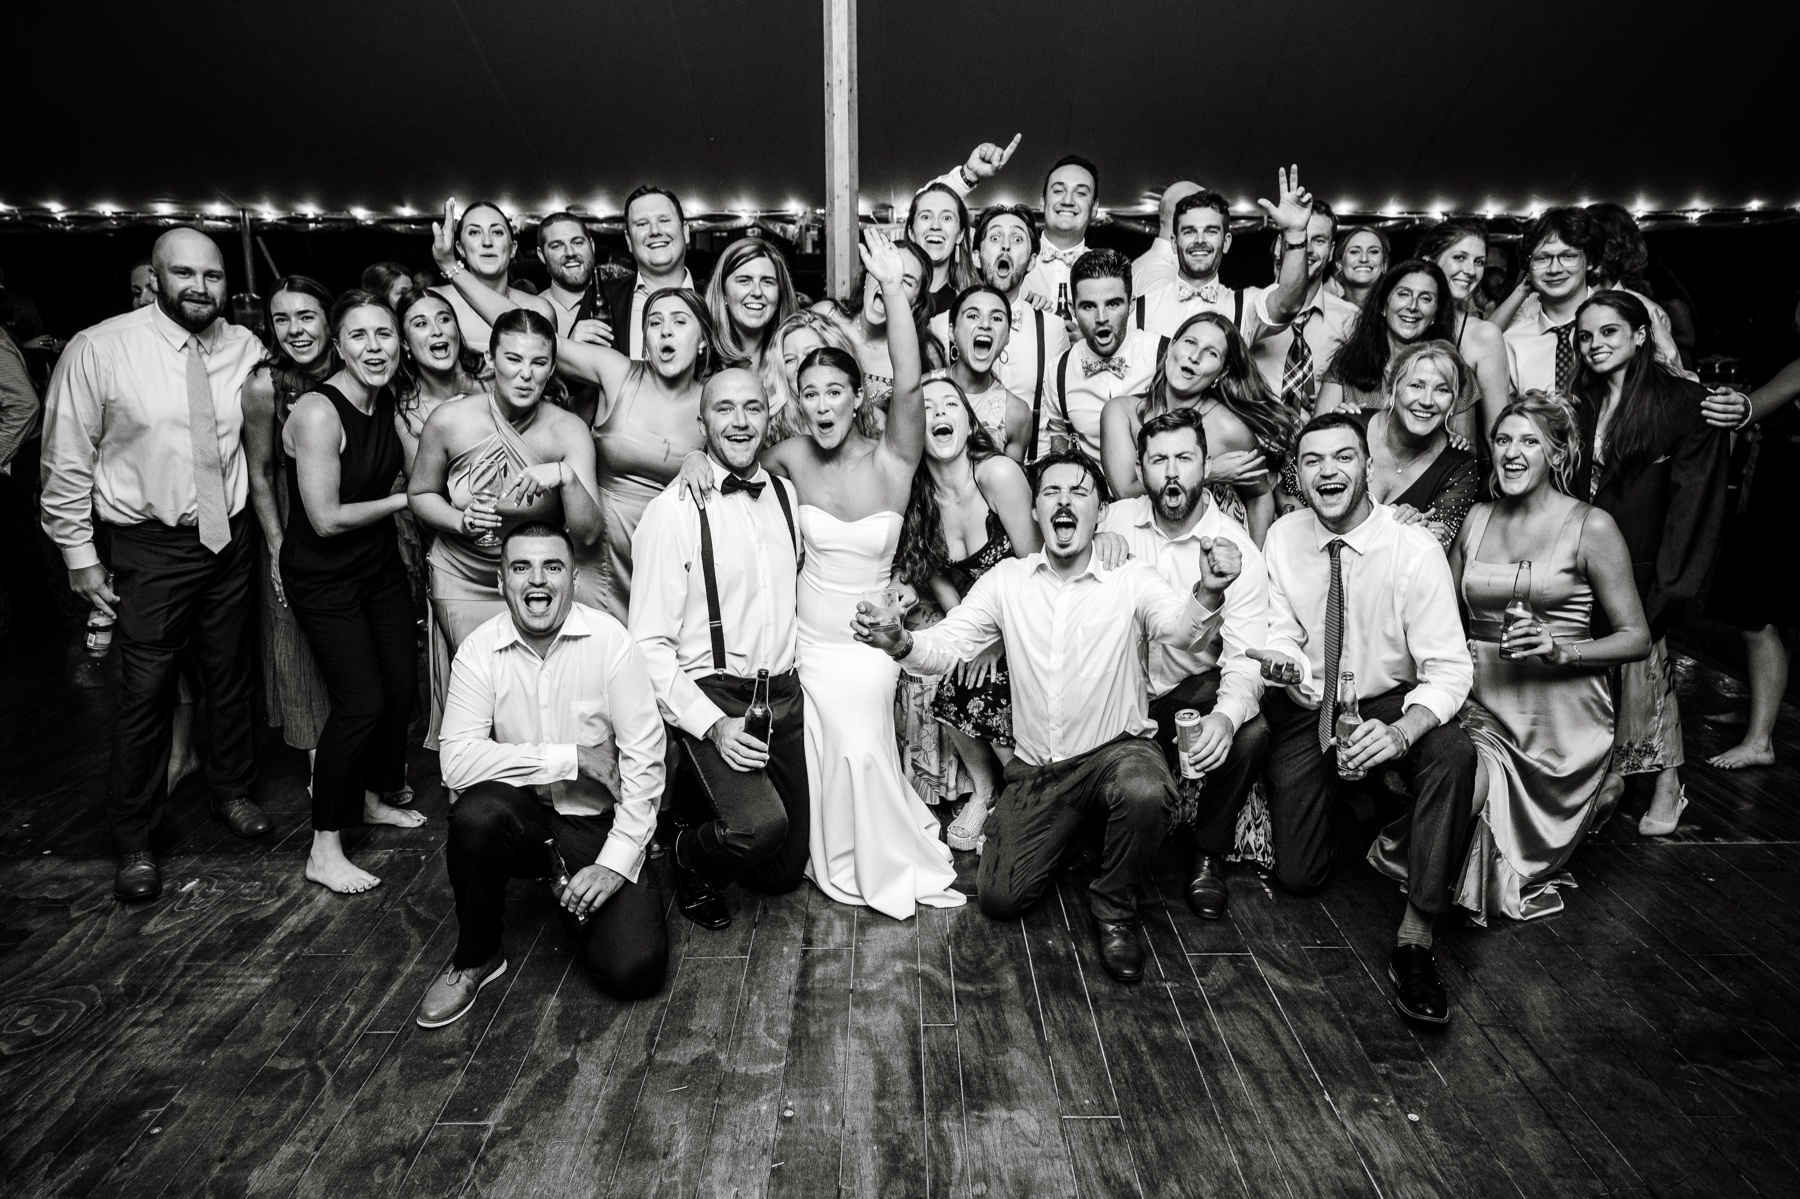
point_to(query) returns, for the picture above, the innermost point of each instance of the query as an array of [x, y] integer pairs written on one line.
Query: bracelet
[[1405, 741], [453, 270], [1292, 245]]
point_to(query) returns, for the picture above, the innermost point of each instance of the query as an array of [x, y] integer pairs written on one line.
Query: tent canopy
[[391, 106]]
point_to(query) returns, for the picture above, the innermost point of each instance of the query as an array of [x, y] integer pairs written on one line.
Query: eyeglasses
[[1568, 258]]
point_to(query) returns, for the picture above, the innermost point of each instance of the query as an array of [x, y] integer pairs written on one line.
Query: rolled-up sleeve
[[1245, 627], [1434, 637], [638, 731], [72, 425], [1287, 636]]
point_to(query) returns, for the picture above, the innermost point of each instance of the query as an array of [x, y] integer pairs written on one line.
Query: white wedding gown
[[874, 841]]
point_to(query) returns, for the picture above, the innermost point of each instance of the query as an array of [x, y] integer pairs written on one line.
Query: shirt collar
[[1363, 537], [574, 625], [640, 288], [720, 470], [1040, 561], [177, 336], [1206, 526]]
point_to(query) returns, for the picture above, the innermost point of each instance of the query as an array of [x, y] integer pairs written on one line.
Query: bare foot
[[377, 812], [1746, 754], [338, 873], [1731, 718]]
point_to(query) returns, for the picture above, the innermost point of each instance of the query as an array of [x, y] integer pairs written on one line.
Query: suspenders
[[715, 623], [1037, 384], [1237, 316], [1062, 380]]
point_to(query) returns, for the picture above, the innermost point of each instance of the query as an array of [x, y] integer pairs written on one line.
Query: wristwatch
[[969, 178], [1287, 245]]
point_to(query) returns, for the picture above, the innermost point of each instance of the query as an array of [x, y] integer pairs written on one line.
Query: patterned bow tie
[[1206, 293], [1017, 319], [738, 483], [1066, 257], [1090, 368]]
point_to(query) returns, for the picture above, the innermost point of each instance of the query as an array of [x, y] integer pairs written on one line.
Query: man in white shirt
[[1113, 357], [142, 431], [712, 603], [1071, 193], [1173, 527], [656, 232], [1354, 592], [1294, 356], [1155, 268], [551, 735], [1074, 632]]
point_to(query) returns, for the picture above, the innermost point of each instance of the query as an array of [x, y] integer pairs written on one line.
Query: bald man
[[142, 463], [1157, 267], [712, 603]]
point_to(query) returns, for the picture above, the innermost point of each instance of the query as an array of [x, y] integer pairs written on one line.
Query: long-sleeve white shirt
[[1078, 395], [755, 563], [116, 428], [1072, 647], [1401, 625], [1244, 623], [513, 717]]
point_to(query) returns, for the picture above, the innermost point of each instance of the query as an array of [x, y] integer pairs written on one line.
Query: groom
[[1086, 745], [712, 602]]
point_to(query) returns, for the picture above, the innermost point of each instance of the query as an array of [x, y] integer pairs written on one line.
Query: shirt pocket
[[593, 728]]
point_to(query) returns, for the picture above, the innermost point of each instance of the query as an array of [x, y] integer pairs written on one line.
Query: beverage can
[[1187, 731], [99, 634]]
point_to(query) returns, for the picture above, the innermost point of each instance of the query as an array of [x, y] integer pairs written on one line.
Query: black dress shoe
[[242, 817], [699, 900], [1418, 992], [1206, 890], [1120, 950], [138, 878]]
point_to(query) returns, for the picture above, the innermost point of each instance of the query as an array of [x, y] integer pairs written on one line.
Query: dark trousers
[[755, 823], [1043, 808], [363, 637], [497, 832], [179, 602], [1314, 831], [1223, 793]]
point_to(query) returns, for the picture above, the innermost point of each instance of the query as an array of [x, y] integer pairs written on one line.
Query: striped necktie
[[209, 471], [1334, 644]]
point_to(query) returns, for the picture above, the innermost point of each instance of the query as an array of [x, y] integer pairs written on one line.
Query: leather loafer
[[1418, 992], [242, 817], [452, 993], [1120, 950], [1206, 893], [699, 900], [138, 878]]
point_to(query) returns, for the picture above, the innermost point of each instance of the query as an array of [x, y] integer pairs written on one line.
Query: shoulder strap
[[1037, 386], [1237, 306], [787, 510], [1142, 303], [1062, 383], [715, 623], [1162, 348]]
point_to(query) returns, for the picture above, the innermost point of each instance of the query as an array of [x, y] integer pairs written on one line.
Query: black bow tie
[[739, 483]]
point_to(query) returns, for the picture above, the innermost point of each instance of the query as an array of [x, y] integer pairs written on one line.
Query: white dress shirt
[[1531, 340], [1155, 268], [1073, 647], [1051, 271], [513, 717], [1168, 307], [117, 439], [1017, 370], [1334, 317], [1075, 411], [1401, 624], [640, 295], [1244, 617], [755, 564]]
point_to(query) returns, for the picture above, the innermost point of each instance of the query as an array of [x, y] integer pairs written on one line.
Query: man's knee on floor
[[1302, 878], [627, 977], [756, 838]]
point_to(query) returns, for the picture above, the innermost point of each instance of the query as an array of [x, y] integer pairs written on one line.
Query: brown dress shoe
[[242, 817], [452, 993], [138, 878]]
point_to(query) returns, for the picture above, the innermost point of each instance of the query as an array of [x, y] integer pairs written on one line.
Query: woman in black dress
[[1651, 462], [1413, 468], [343, 576]]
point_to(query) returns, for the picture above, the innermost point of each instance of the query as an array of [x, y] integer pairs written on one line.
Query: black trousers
[[1225, 789], [179, 601], [365, 641], [1043, 808], [1314, 831], [497, 832], [754, 824]]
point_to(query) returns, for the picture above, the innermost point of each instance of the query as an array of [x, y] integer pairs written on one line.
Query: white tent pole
[[841, 191]]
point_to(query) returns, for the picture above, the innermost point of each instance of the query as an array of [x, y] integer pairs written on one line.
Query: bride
[[874, 841]]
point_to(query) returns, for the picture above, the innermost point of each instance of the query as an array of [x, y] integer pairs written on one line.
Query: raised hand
[[986, 159], [443, 238], [884, 261], [1221, 561], [1294, 207], [1276, 668]]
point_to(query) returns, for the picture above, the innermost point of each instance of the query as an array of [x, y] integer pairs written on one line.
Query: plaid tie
[[1565, 357], [1334, 645], [1298, 387], [209, 471]]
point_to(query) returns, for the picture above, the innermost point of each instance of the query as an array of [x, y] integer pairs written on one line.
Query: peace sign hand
[[443, 237], [986, 159], [885, 262], [1295, 207]]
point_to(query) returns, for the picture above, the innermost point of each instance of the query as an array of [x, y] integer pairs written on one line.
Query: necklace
[[1401, 465]]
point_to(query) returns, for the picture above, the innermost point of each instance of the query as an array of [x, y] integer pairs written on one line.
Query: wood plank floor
[[251, 1034]]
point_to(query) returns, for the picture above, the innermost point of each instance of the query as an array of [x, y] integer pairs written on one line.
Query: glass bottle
[[1519, 614], [1349, 718], [759, 718]]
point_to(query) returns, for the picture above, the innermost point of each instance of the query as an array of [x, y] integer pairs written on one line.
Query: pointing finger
[[1010, 147]]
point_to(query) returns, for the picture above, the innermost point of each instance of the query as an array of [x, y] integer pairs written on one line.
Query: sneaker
[[453, 992]]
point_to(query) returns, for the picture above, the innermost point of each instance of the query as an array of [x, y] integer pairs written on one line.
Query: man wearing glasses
[[1558, 247]]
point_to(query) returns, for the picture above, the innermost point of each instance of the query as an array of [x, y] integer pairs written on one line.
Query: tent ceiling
[[347, 104]]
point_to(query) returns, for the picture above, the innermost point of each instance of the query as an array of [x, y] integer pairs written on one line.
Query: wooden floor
[[250, 1034]]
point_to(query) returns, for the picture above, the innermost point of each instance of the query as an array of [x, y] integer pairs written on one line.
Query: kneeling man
[[552, 736]]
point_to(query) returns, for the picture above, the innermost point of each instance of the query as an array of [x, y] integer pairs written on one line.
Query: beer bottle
[[1348, 718], [759, 718], [1062, 302]]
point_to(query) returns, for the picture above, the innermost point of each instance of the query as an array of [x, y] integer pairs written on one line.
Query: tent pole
[[245, 236], [841, 190]]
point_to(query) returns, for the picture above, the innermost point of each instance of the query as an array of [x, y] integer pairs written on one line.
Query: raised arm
[[904, 435], [318, 439], [984, 162], [1290, 216]]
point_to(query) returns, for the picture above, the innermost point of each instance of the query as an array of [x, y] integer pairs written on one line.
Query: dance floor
[[249, 1033]]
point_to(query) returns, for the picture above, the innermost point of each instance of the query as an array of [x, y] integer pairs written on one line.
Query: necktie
[[735, 482], [1206, 293], [1565, 357], [1091, 367], [1334, 644], [209, 471], [1298, 387], [1067, 257]]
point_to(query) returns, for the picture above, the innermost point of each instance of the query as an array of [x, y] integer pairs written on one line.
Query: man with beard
[[551, 735], [1113, 357], [1006, 245], [1174, 526], [1293, 356], [1354, 592], [1202, 239], [567, 252], [1074, 630], [142, 431], [712, 603]]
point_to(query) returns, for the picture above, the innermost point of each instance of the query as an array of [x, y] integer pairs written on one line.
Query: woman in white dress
[[874, 842]]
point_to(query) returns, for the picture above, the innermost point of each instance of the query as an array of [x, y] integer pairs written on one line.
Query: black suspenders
[[1037, 384], [715, 623]]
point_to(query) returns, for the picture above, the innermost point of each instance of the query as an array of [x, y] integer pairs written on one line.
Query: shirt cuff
[[953, 179], [1262, 313], [1438, 702], [697, 719], [79, 557], [561, 762], [622, 856]]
